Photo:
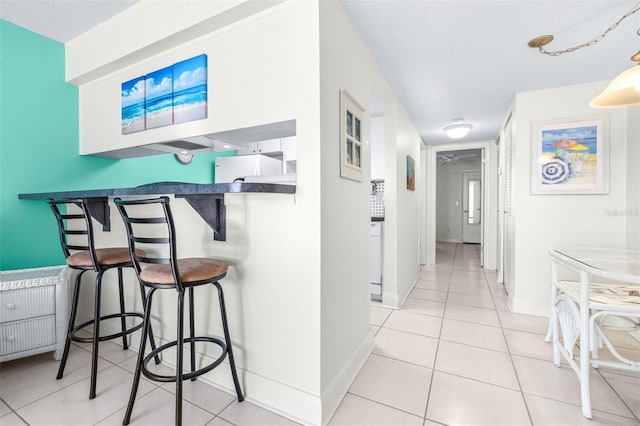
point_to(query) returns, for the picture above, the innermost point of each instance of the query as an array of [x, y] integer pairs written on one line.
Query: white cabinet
[[265, 147], [377, 256], [289, 154], [33, 311], [281, 148]]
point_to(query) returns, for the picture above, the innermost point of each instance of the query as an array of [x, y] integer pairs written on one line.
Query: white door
[[500, 242], [508, 255], [471, 207]]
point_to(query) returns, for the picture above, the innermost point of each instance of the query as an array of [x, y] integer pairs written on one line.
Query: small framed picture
[[352, 147], [411, 173], [570, 156]]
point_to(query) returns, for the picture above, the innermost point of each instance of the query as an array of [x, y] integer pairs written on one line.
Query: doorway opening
[[460, 197]]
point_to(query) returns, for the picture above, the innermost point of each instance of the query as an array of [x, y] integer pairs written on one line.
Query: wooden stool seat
[[192, 270]]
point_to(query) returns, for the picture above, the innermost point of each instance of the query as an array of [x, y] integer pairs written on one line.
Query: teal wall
[[39, 149]]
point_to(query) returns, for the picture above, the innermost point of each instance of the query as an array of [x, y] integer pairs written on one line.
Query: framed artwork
[[411, 173], [570, 156], [351, 140]]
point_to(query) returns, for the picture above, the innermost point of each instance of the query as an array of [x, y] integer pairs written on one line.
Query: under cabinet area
[[281, 148], [33, 311]]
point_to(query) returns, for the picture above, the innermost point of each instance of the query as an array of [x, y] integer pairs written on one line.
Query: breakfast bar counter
[[257, 233], [206, 199]]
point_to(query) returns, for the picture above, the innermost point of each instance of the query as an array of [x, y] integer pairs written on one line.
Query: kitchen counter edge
[[176, 188]]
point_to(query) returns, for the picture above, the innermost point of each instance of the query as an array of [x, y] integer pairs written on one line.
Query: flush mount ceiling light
[[624, 90], [458, 129]]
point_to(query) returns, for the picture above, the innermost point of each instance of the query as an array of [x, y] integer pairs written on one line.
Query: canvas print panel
[[133, 111], [190, 89], [159, 98]]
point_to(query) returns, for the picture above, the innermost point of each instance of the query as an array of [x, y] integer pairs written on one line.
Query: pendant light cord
[[542, 50]]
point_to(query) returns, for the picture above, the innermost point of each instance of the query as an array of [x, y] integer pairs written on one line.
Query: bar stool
[[77, 241], [162, 270]]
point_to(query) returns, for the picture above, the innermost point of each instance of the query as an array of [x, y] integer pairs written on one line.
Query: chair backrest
[[150, 227], [75, 229]]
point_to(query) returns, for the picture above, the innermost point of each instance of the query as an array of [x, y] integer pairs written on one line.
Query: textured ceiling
[[444, 59], [61, 20]]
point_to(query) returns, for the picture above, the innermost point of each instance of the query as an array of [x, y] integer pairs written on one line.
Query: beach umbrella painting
[[578, 147], [563, 144], [555, 172]]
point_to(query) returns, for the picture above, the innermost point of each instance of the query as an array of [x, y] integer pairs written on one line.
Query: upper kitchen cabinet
[[250, 97], [266, 147], [281, 148]]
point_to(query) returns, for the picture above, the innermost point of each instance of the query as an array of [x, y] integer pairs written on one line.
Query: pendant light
[[624, 90]]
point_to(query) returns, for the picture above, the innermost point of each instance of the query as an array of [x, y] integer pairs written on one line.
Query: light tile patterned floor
[[453, 355]]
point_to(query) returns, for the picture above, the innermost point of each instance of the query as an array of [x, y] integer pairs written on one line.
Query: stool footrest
[[185, 376], [79, 327]]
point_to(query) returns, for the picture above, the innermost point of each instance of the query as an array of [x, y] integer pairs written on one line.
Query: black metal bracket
[[99, 210], [211, 208]]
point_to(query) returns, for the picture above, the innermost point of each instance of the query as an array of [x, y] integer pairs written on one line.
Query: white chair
[[580, 308]]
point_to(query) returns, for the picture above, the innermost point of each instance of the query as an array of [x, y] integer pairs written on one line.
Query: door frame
[[489, 196]]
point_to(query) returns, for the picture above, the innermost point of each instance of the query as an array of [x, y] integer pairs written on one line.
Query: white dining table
[[604, 282]]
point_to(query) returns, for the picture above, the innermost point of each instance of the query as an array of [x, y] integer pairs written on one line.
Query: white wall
[[405, 221], [299, 301], [377, 147], [632, 212], [545, 222], [448, 193], [241, 88], [345, 330], [273, 242], [102, 51]]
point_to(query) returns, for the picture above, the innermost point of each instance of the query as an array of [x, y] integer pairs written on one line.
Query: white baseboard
[[393, 300], [337, 389], [390, 300], [295, 404], [529, 307], [449, 240]]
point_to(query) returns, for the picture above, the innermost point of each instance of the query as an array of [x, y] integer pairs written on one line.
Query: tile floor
[[453, 355]]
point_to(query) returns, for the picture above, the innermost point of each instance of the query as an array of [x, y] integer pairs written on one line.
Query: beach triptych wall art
[[172, 95]]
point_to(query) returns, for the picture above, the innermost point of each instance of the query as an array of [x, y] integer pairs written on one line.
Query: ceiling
[[444, 59]]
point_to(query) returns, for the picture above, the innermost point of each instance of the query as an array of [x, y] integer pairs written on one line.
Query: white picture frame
[[570, 156], [352, 146]]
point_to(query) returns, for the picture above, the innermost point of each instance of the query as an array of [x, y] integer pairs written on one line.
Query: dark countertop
[[178, 188], [206, 199], [377, 218]]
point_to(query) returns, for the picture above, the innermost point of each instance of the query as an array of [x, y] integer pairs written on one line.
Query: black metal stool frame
[[180, 287], [62, 220]]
